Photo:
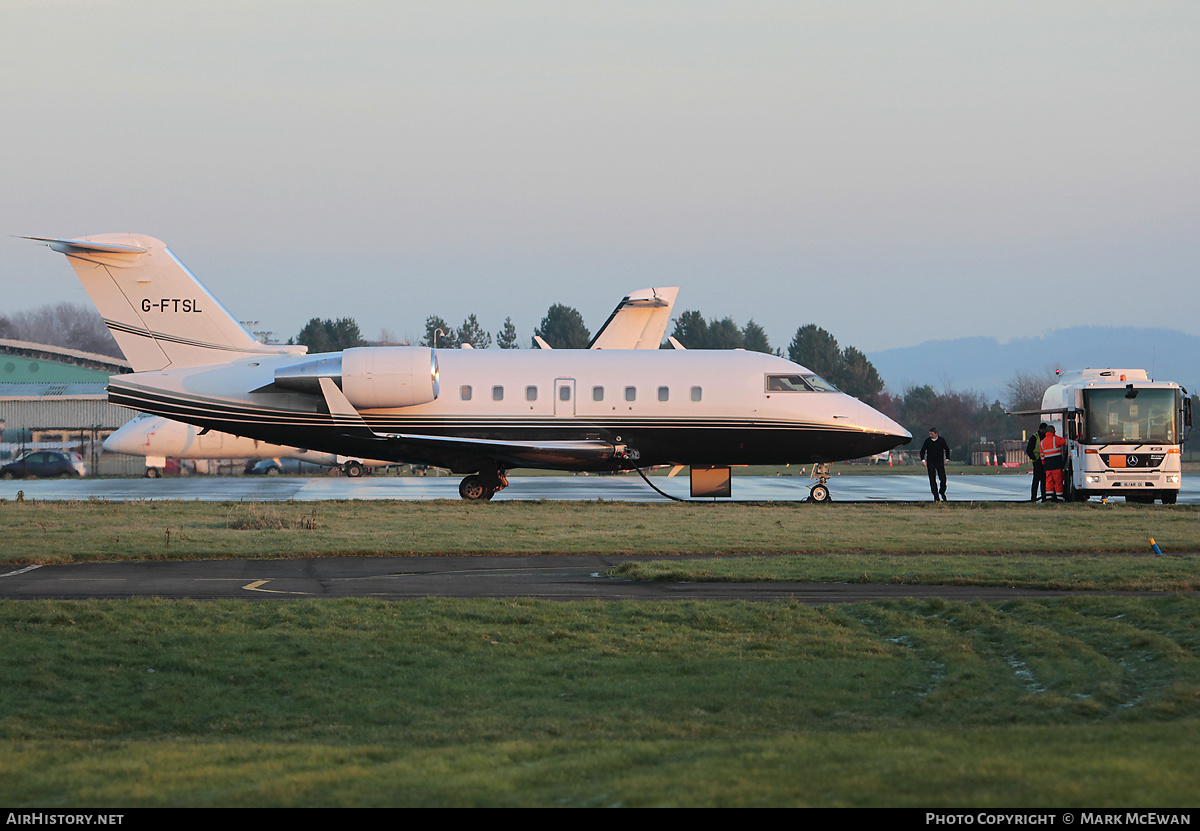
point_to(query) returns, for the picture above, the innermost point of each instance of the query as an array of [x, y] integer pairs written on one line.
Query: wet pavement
[[630, 488]]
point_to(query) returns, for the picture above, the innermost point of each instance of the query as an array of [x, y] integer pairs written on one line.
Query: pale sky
[[892, 171]]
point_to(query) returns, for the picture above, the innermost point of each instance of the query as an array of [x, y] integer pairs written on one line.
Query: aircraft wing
[[513, 453], [639, 321]]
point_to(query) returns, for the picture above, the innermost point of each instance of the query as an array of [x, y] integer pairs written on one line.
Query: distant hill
[[986, 365]]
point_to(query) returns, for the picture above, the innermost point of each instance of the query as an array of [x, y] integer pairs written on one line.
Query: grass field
[[1083, 702], [49, 532], [1089, 701]]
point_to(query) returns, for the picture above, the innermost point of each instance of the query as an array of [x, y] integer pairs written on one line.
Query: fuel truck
[[1124, 433]]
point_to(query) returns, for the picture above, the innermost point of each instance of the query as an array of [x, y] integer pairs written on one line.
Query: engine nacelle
[[371, 377], [375, 377]]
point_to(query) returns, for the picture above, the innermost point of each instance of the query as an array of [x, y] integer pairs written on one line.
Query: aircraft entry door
[[564, 397]]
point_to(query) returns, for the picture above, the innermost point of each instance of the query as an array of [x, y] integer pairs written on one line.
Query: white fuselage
[[685, 407]]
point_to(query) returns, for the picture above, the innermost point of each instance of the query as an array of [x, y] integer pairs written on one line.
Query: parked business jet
[[638, 322], [477, 412]]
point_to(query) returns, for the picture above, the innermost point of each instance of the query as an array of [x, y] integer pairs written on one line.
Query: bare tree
[[64, 324], [1025, 389]]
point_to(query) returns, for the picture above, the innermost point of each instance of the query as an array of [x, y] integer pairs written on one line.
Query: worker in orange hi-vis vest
[[1054, 459]]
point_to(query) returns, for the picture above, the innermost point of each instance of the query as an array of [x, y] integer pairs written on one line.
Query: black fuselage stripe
[[224, 412]]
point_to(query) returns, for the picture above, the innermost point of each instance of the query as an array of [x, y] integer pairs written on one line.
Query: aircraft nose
[[891, 428], [128, 439], [117, 443], [886, 433]]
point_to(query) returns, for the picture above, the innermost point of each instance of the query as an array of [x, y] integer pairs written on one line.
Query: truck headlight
[[1173, 478], [1092, 480]]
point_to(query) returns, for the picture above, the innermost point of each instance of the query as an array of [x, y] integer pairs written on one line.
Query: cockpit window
[[819, 384], [786, 383], [799, 383]]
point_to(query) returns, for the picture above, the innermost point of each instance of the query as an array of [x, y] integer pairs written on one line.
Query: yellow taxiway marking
[[256, 586]]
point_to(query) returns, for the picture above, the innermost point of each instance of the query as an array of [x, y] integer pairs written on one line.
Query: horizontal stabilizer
[[68, 246]]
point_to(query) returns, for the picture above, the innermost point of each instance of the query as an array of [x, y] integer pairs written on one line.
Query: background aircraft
[[159, 439]]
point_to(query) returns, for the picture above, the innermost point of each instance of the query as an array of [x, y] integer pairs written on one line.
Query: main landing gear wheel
[[819, 493], [353, 469], [473, 489]]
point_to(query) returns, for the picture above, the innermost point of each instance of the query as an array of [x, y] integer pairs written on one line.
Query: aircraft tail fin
[[158, 312], [639, 321]]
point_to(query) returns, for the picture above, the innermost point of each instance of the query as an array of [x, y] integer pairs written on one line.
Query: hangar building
[[55, 398]]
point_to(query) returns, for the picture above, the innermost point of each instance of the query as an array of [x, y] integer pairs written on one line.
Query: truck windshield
[[1113, 418]]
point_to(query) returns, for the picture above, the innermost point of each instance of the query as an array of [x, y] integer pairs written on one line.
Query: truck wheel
[[1070, 492]]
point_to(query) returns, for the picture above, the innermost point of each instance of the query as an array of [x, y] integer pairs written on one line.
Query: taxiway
[[545, 577], [627, 488]]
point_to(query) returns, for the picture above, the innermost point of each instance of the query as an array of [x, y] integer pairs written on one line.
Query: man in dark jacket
[[934, 453], [1033, 449]]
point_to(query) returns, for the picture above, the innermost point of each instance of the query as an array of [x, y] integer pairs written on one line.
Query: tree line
[[847, 369], [962, 416], [69, 325]]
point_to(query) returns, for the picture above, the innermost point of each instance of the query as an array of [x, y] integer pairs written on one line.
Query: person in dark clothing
[[934, 453], [1033, 449]]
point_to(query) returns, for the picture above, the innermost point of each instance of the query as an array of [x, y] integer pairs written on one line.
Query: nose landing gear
[[820, 491]]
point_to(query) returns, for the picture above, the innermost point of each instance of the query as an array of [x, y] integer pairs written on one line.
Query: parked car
[[44, 463], [274, 467]]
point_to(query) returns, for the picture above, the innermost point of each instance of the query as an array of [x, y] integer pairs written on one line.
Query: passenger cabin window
[[631, 393], [497, 393], [531, 393], [696, 393], [464, 392], [664, 393], [597, 393]]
